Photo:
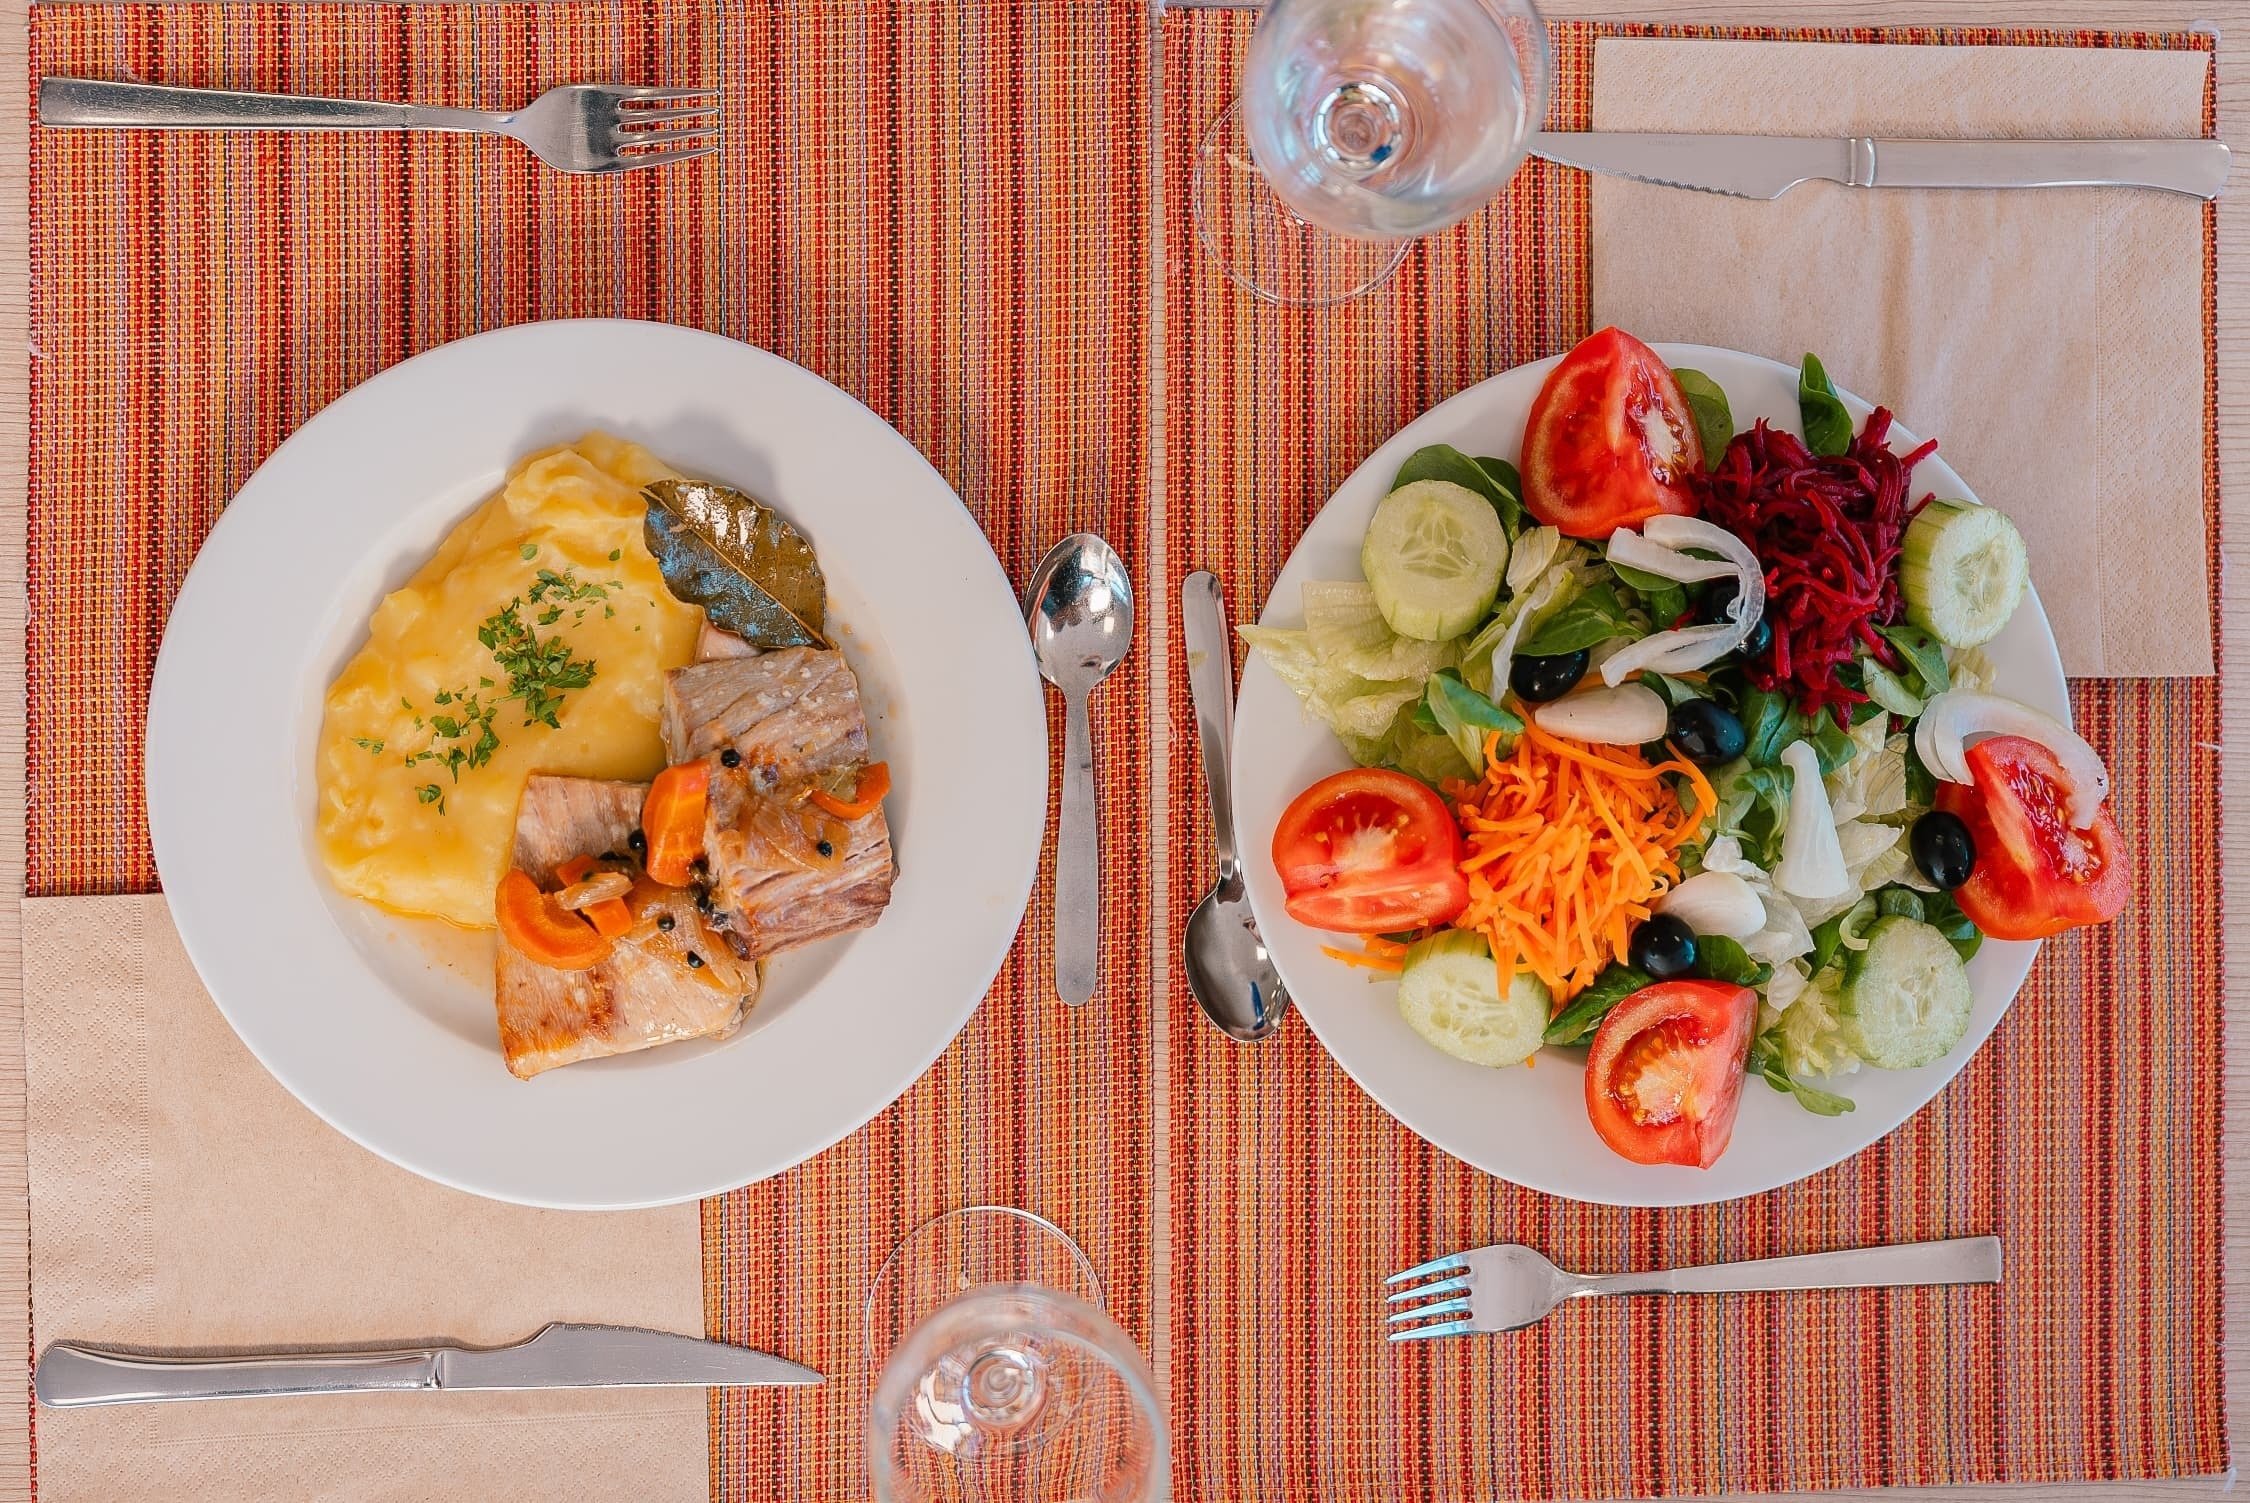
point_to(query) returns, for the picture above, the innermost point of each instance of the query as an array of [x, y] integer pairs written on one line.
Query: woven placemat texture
[[939, 208], [2086, 1133]]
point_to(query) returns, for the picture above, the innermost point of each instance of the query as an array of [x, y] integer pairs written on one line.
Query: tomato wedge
[[1611, 440], [1370, 851], [543, 929], [1665, 1073], [2034, 875]]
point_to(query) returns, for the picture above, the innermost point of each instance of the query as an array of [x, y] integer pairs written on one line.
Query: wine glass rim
[[875, 1286]]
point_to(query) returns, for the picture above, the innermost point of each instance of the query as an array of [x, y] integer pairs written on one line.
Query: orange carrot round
[[672, 820]]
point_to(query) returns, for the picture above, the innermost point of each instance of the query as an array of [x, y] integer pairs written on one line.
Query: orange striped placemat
[[2086, 1133], [940, 208]]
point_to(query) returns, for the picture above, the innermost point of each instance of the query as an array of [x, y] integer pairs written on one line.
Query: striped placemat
[[2086, 1133], [940, 208]]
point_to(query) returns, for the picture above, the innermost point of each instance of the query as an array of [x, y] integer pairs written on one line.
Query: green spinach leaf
[[1941, 913], [1586, 1010], [1923, 655], [1900, 902], [1593, 615], [1719, 958], [1828, 427], [1463, 716], [1666, 599], [1714, 419], [1768, 723], [1765, 1063]]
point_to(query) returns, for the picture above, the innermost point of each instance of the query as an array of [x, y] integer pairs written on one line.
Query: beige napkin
[[2052, 341], [181, 1198]]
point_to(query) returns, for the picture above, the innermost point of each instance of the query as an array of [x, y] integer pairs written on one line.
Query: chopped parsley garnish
[[373, 745], [540, 670], [565, 586], [529, 551], [431, 793], [615, 554]]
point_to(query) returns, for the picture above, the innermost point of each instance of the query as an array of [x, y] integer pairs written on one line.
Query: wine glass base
[[1265, 247]]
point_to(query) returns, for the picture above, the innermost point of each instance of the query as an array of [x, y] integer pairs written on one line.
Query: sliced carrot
[[544, 930], [612, 918], [874, 784], [672, 820]]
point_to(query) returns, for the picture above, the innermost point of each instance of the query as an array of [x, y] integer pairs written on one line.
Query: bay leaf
[[753, 574]]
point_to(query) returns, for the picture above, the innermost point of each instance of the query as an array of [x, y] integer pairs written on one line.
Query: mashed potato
[[542, 606]]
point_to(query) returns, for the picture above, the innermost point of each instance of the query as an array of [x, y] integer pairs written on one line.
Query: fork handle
[[1963, 1260], [92, 103]]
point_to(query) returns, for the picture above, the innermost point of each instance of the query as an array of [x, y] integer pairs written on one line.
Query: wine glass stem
[[1359, 126]]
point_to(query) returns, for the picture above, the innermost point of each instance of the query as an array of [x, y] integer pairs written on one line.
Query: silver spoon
[[1227, 965], [1080, 608]]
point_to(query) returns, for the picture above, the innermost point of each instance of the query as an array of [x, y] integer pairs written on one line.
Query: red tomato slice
[[1370, 851], [1611, 440], [2035, 875], [1665, 1072]]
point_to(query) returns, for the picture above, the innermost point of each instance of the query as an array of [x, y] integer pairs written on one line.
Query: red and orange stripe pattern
[[2086, 1133]]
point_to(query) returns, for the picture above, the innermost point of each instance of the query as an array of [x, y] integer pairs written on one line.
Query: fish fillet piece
[[793, 713], [643, 994], [772, 885]]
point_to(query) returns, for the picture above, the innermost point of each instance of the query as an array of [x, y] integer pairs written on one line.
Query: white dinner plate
[[1530, 1125], [385, 1026]]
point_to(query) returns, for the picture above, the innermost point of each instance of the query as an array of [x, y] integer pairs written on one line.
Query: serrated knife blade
[[1768, 166], [562, 1355]]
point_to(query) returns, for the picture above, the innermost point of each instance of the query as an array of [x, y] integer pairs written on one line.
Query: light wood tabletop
[[2227, 16]]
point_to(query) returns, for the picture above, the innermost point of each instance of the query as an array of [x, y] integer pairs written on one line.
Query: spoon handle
[[1078, 912], [1210, 656]]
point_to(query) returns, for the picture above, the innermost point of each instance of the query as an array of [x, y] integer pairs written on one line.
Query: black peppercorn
[[730, 758], [694, 961], [637, 841], [665, 922], [826, 850]]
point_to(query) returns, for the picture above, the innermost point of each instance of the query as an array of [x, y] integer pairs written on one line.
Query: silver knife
[[70, 1376], [1769, 166]]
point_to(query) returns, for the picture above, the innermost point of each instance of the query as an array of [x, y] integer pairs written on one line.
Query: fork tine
[[1431, 1333], [659, 96], [1419, 1312], [666, 138], [1442, 1286], [658, 159], [1435, 1265], [631, 118]]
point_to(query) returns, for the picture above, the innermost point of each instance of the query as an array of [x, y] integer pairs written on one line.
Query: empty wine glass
[[1001, 1379], [1363, 125]]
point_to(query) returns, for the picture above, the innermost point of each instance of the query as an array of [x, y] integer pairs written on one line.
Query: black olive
[[1944, 850], [1663, 946], [694, 961], [1537, 680], [637, 841], [1712, 609], [1708, 731], [730, 758], [665, 921], [826, 850]]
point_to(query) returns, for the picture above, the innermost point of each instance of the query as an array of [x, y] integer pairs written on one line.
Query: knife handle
[[70, 1376], [2196, 168]]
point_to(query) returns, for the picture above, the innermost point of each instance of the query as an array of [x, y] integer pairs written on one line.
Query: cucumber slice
[[1907, 999], [1434, 553], [1449, 992], [1964, 571]]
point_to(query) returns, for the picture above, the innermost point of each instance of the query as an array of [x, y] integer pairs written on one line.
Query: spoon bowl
[[1079, 608]]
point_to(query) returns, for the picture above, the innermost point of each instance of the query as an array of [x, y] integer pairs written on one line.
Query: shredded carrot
[[1368, 959], [1568, 847]]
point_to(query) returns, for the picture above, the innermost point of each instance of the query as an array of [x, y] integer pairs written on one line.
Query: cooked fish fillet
[[768, 876], [793, 713], [644, 993]]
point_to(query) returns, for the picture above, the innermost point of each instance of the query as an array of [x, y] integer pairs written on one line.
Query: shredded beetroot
[[1828, 529]]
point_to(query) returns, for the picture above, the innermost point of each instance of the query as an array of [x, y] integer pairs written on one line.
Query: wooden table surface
[[2227, 16]]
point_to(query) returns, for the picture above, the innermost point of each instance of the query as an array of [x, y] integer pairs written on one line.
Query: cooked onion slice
[[1955, 719], [1812, 857], [598, 888], [1627, 715], [1656, 549]]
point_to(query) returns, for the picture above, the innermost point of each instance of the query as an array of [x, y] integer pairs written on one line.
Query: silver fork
[[1508, 1286], [575, 128]]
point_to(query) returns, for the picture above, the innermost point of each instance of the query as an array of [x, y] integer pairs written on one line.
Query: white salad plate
[[1530, 1125], [384, 1026]]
